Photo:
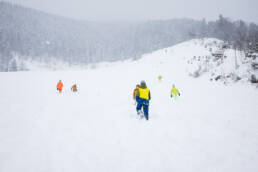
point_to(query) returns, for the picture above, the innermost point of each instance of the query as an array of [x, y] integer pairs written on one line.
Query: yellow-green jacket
[[159, 77], [174, 91]]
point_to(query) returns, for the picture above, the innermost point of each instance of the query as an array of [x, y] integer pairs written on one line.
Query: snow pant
[[137, 100], [145, 104], [175, 96]]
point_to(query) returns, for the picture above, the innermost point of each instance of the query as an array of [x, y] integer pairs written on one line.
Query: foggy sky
[[109, 10]]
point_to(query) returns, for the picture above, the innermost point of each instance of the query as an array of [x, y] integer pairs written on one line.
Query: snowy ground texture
[[210, 128]]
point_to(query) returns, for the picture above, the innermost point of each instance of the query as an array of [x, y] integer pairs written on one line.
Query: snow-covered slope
[[197, 56], [209, 128], [231, 67]]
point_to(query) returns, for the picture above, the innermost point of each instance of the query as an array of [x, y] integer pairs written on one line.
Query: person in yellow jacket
[[174, 93], [159, 78], [144, 96]]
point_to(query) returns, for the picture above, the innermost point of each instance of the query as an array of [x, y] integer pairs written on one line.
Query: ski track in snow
[[210, 127]]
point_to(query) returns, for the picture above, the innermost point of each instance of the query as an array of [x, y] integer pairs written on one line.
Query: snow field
[[210, 127]]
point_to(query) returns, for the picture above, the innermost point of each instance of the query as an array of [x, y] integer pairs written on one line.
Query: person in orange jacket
[[134, 91], [134, 94], [59, 86], [74, 88]]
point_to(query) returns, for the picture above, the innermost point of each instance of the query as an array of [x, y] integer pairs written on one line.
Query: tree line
[[33, 34]]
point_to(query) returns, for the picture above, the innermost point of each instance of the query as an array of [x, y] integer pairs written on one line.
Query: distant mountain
[[36, 35]]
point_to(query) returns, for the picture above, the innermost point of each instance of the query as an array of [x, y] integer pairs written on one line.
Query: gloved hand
[[171, 96], [179, 94]]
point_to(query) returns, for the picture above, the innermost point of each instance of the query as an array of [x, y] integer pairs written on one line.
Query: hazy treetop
[[106, 10]]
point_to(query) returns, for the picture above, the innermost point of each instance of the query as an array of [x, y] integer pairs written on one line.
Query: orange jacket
[[74, 87], [59, 86], [134, 93]]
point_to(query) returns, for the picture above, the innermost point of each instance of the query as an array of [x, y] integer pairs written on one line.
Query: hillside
[[197, 57], [210, 127], [32, 34], [208, 58], [37, 36]]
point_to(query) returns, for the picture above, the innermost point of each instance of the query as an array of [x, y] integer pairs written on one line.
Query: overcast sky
[[106, 10]]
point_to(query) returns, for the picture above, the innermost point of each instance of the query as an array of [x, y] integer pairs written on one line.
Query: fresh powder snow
[[210, 127]]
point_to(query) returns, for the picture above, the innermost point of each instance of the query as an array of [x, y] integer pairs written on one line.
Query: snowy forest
[[32, 34]]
